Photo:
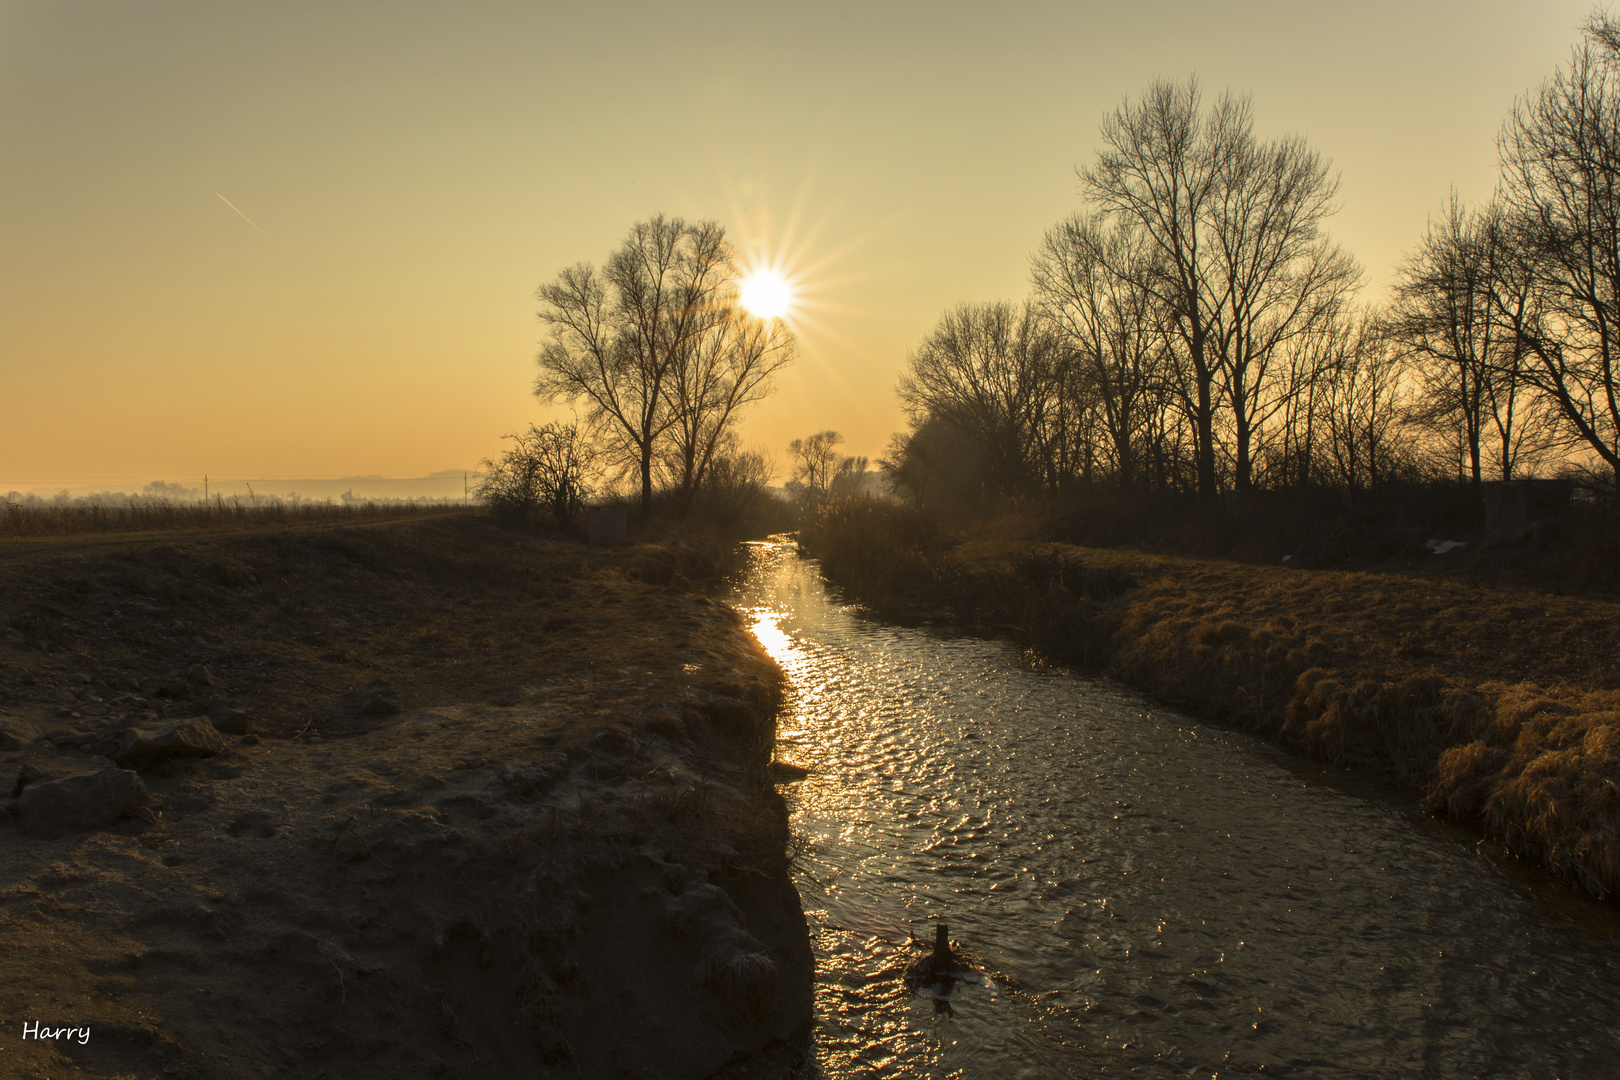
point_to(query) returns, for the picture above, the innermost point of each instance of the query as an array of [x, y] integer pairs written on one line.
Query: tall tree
[[815, 462], [1361, 402], [1085, 276], [992, 371], [1463, 303], [1241, 265], [1442, 315], [722, 370], [1285, 279], [1159, 169], [1561, 165], [654, 342]]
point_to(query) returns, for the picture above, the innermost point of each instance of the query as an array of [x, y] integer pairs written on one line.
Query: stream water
[[1145, 894]]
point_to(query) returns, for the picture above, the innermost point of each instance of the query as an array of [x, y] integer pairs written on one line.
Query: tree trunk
[[646, 480], [1204, 425]]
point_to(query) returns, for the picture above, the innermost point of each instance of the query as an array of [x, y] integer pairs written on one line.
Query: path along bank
[[474, 803], [1499, 705]]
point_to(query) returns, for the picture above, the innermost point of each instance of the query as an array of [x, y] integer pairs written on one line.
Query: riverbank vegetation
[[1499, 703]]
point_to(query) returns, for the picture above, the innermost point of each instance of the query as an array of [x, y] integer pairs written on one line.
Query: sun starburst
[[767, 294]]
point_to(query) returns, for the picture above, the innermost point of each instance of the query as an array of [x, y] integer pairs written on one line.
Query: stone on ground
[[184, 738], [50, 808]]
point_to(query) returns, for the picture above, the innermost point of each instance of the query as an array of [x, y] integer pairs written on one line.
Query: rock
[[184, 738], [228, 718], [86, 801], [200, 675], [26, 774]]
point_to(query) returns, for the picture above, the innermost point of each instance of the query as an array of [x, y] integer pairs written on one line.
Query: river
[[1145, 893]]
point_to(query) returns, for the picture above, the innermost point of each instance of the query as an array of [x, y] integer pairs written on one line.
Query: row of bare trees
[[1194, 328]]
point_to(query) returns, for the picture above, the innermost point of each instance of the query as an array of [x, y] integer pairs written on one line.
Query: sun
[[767, 294]]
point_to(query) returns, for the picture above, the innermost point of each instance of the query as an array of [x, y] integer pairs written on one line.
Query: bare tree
[[1463, 302], [1362, 402], [1085, 277], [1285, 279], [1526, 426], [815, 462], [1561, 163], [850, 476], [992, 371], [1240, 266], [735, 481], [721, 371], [1312, 362], [1159, 169], [654, 343], [548, 468]]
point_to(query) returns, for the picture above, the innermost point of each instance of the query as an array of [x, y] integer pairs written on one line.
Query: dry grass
[[1500, 704], [144, 514]]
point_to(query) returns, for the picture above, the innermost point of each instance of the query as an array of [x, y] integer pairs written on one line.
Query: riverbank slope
[[1499, 704], [444, 800]]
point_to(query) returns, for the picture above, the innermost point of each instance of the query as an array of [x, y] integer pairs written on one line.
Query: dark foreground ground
[[416, 798]]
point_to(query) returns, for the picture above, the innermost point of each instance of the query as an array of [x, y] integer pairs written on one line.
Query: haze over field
[[288, 240]]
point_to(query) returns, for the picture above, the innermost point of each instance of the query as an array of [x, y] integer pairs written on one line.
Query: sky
[[299, 239]]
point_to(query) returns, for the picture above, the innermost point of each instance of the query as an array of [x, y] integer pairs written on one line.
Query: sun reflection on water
[[775, 640]]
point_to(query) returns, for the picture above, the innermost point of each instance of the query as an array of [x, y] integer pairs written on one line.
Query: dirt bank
[[1500, 705], [482, 804]]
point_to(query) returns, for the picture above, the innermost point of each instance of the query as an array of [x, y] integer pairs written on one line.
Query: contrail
[[249, 220]]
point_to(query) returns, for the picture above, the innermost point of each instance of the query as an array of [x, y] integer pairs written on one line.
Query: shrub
[[548, 469]]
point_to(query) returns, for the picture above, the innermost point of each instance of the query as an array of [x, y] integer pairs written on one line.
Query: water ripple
[[1149, 895]]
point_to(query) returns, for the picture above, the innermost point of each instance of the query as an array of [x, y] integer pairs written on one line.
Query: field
[[121, 514]]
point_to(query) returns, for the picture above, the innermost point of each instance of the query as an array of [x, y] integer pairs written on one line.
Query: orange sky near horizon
[[405, 175]]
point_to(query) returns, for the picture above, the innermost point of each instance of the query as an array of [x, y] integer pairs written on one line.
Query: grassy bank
[[487, 802], [1500, 705]]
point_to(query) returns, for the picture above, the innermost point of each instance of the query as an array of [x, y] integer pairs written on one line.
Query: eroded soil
[[488, 805]]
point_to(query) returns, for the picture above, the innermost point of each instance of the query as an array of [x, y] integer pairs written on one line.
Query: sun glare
[[767, 294]]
